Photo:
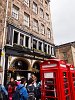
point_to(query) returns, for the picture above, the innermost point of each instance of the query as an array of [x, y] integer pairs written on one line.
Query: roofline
[[69, 44]]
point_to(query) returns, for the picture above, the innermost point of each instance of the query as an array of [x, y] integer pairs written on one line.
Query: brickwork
[[66, 52], [2, 17], [23, 8]]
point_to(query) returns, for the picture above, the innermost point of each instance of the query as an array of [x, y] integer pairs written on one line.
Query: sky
[[63, 20]]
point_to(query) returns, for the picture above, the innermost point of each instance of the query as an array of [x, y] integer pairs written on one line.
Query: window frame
[[35, 25], [26, 22], [35, 8], [27, 3], [15, 12]]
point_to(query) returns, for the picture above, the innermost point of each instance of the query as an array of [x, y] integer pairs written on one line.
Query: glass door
[[66, 86], [50, 87]]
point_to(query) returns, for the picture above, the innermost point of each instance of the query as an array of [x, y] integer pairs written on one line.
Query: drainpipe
[[3, 44]]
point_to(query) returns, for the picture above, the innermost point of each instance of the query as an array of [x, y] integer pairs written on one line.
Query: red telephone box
[[71, 80], [54, 80]]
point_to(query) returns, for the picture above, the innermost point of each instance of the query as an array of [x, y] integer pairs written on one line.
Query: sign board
[[51, 65]]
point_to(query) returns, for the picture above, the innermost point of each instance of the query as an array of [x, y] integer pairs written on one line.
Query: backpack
[[31, 92], [17, 95], [2, 94]]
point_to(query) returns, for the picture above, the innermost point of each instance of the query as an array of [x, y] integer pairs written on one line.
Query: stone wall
[[65, 53]]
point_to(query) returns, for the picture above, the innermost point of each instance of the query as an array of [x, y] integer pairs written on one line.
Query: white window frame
[[29, 44], [47, 16], [26, 19], [18, 37], [41, 13], [38, 44], [42, 29], [35, 8], [49, 33], [23, 39], [27, 2], [35, 25], [47, 47], [52, 50], [15, 12], [41, 1]]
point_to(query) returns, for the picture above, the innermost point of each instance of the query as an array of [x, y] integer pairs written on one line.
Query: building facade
[[66, 52], [26, 36]]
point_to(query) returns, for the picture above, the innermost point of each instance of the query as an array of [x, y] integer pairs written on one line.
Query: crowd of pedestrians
[[21, 90]]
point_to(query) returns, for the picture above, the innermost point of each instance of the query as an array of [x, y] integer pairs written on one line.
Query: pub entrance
[[19, 68]]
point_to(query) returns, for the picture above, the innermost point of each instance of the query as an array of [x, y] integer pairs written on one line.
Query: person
[[22, 90], [33, 76], [37, 85], [3, 93], [11, 87], [31, 90]]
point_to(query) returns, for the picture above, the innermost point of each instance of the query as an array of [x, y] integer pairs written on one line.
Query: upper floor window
[[46, 3], [35, 25], [42, 30], [15, 12], [40, 45], [47, 16], [26, 2], [21, 39], [35, 7], [26, 41], [26, 19], [34, 43], [41, 1], [48, 33], [49, 49], [41, 13], [52, 51], [16, 37], [45, 47]]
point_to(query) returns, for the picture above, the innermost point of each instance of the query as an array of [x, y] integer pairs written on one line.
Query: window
[[27, 41], [21, 39], [26, 20], [15, 12], [52, 51], [46, 3], [47, 16], [26, 2], [34, 7], [49, 49], [45, 48], [41, 1], [16, 34], [41, 13], [40, 45], [34, 43], [42, 29], [35, 25], [48, 33], [65, 55]]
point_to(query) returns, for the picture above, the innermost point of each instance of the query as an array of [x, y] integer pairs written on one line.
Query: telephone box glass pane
[[65, 79], [66, 85], [64, 74], [49, 81], [66, 92], [73, 75], [67, 98]]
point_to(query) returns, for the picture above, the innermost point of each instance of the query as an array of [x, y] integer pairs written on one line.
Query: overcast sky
[[63, 20]]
